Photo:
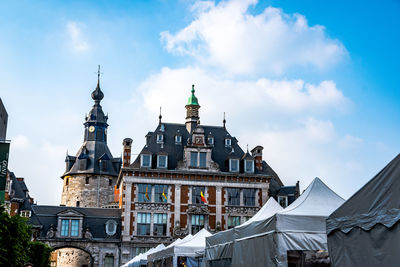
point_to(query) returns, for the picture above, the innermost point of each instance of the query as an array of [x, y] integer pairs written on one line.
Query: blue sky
[[314, 82]]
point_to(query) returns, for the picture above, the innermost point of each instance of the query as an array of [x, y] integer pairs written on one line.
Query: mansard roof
[[19, 192], [220, 152]]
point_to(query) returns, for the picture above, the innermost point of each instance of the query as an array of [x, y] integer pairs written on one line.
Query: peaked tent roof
[[195, 245], [317, 200], [376, 202], [142, 257], [269, 209], [154, 255]]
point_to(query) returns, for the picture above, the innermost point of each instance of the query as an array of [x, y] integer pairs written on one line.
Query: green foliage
[[16, 249], [39, 254]]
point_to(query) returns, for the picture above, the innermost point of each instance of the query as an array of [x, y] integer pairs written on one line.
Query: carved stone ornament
[[88, 234], [248, 211], [197, 209], [180, 232], [51, 232], [150, 239], [153, 206]]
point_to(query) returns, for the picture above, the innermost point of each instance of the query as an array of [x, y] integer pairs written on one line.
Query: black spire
[[224, 121], [97, 94]]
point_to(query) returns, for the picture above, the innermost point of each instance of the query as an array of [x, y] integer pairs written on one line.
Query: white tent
[[301, 226], [157, 255], [219, 247], [192, 248], [141, 259]]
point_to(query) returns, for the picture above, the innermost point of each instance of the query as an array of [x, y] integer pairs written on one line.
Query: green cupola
[[192, 112], [193, 99]]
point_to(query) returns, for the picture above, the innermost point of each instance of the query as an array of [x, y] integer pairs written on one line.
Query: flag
[[202, 197], [146, 194], [164, 195]]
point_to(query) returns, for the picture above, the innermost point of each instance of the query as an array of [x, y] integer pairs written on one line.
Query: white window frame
[[26, 213], [245, 166], [178, 139], [160, 138], [166, 161], [230, 165], [228, 142], [141, 160], [283, 198]]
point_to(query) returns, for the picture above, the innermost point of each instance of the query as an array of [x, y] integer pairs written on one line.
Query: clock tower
[[90, 176]]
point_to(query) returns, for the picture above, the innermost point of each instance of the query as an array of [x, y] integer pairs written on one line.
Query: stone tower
[[90, 176]]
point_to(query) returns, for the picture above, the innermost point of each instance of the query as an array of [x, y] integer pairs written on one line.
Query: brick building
[[187, 177]]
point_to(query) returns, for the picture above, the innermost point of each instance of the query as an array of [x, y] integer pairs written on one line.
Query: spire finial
[[159, 117], [193, 99], [224, 121], [247, 148], [97, 94], [193, 89]]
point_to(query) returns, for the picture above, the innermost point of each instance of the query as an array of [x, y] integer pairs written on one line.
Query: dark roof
[[287, 190], [220, 153], [93, 151], [19, 192], [94, 218]]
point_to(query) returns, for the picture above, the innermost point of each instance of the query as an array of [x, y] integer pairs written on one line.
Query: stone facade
[[72, 257], [88, 191]]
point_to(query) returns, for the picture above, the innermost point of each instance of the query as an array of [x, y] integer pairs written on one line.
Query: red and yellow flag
[[146, 194], [203, 199]]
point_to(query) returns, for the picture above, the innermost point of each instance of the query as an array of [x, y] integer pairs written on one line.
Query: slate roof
[[220, 153], [93, 151], [19, 193], [95, 218]]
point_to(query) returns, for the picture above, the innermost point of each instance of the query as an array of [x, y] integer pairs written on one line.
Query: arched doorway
[[71, 257]]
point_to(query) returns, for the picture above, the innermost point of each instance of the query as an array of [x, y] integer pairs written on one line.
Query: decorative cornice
[[240, 210], [198, 209], [153, 206]]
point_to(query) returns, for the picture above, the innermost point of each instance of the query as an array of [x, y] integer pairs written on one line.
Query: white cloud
[[170, 88], [19, 142], [78, 42], [226, 35]]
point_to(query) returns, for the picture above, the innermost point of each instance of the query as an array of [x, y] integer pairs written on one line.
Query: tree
[[16, 247]]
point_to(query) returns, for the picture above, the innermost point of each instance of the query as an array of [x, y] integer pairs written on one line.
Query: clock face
[[91, 129]]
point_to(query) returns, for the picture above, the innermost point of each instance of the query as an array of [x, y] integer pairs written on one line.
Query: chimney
[[257, 155], [126, 158], [297, 193]]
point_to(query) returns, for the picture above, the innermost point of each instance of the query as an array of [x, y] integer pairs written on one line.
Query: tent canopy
[[141, 259], [364, 231], [376, 202]]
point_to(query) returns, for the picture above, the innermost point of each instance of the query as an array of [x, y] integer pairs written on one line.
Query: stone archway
[[76, 255]]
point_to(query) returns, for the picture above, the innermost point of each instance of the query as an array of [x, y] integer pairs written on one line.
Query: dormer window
[[228, 142], [249, 166], [145, 161], [178, 139], [210, 140], [234, 165], [162, 161], [69, 227], [198, 159], [160, 138]]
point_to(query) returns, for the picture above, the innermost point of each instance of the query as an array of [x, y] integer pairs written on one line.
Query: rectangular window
[[283, 201], [178, 139], [210, 140], [109, 261], [193, 159], [160, 224], [196, 194], [197, 223], [64, 227], [234, 196], [144, 193], [234, 165], [160, 193], [162, 161], [228, 142], [233, 221], [143, 225], [249, 197], [160, 138], [74, 228], [249, 166], [202, 163], [146, 161], [141, 250]]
